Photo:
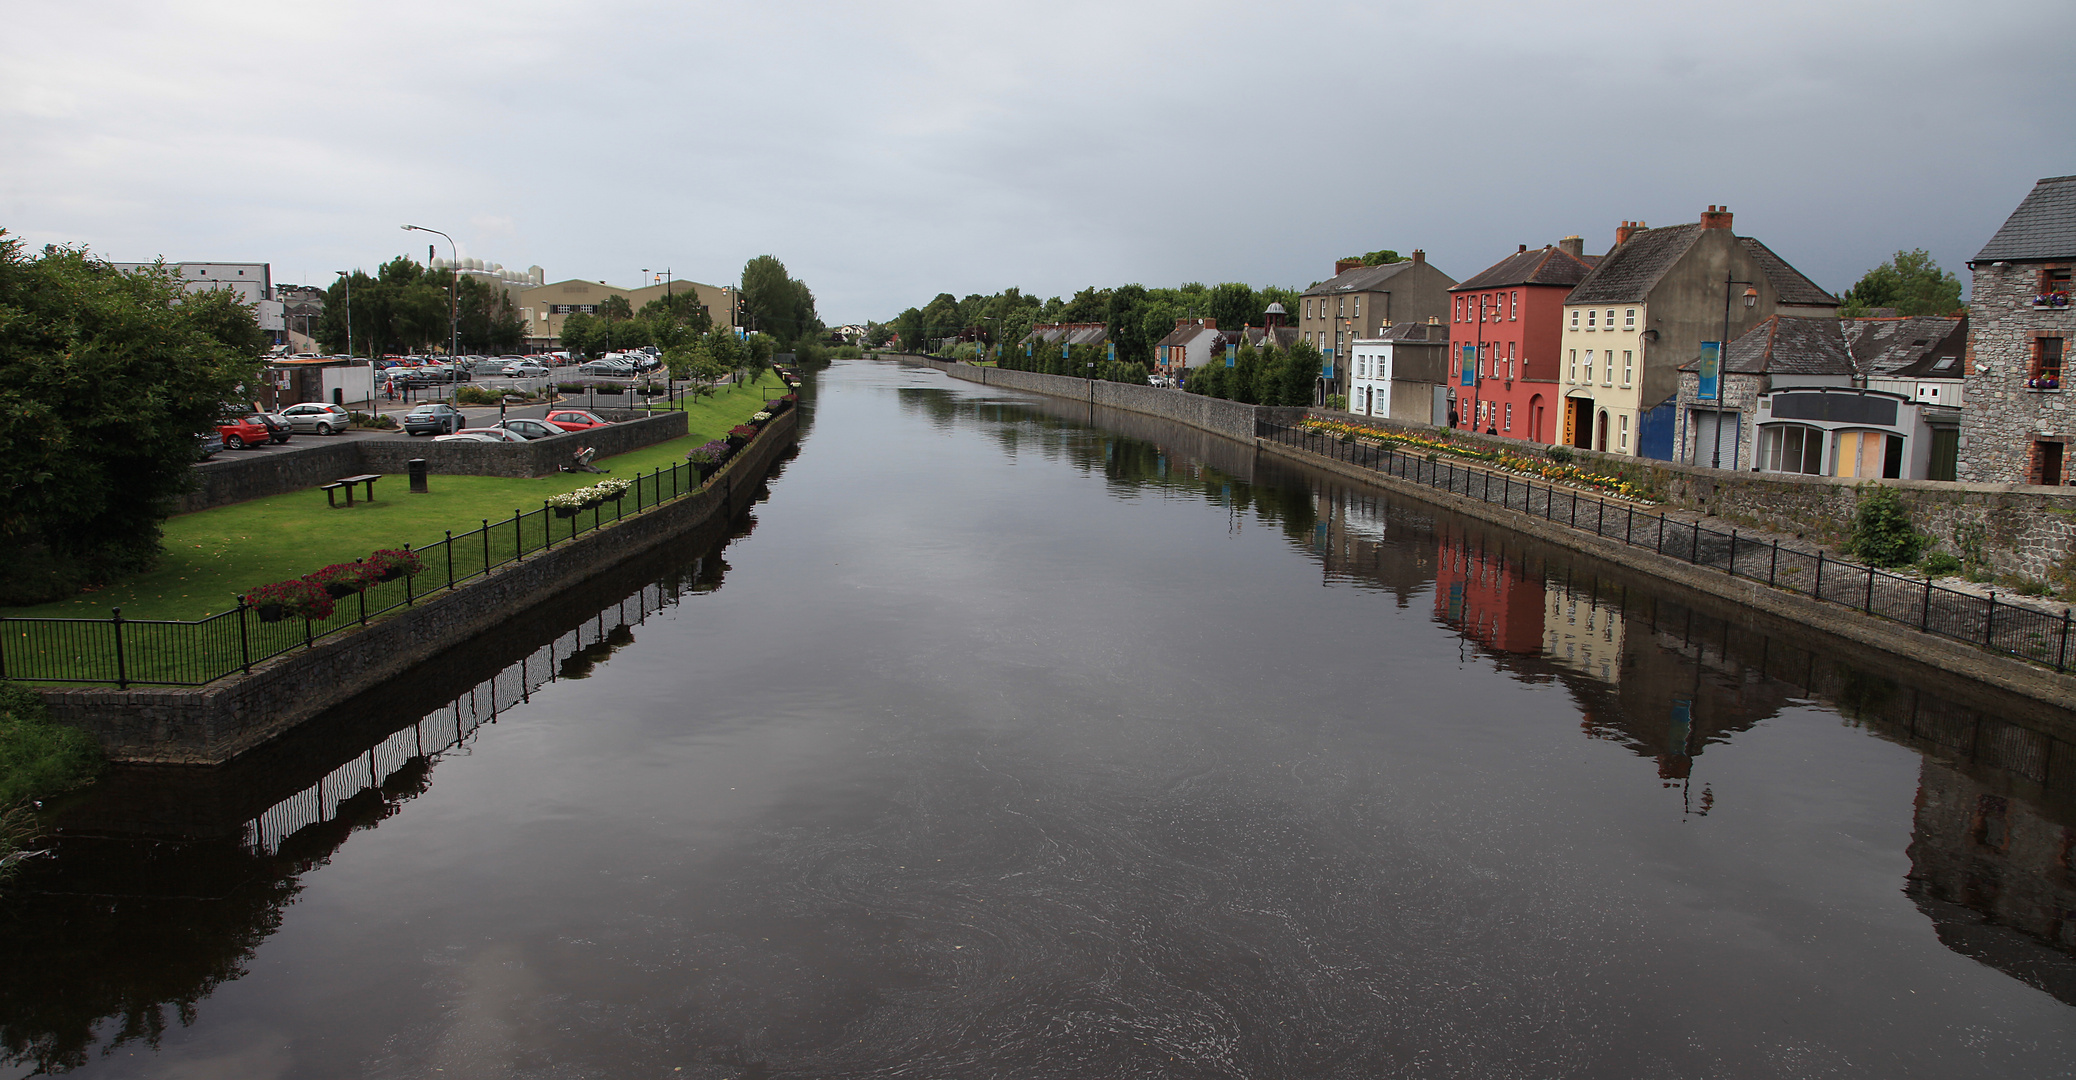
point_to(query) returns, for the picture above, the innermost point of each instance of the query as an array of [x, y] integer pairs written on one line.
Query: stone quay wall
[[231, 478], [1216, 415], [214, 723]]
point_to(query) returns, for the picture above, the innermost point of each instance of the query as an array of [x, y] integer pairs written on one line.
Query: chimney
[[1419, 256], [1523, 250], [1342, 266], [1209, 324], [1717, 217], [1626, 230], [1573, 246], [1181, 322]]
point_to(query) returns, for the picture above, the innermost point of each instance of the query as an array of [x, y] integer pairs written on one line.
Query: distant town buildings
[[252, 283]]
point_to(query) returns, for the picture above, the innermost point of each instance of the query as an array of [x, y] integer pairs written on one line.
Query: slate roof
[[2043, 226], [1548, 266], [1183, 335], [1788, 345], [1413, 331], [1628, 273], [1909, 347], [1074, 333], [1286, 336], [1788, 282], [1360, 279]]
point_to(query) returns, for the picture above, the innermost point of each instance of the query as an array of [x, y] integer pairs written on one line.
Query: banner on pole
[[1470, 365], [1711, 371]]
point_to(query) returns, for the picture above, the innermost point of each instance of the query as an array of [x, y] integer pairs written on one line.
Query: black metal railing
[[2011, 629], [171, 652]]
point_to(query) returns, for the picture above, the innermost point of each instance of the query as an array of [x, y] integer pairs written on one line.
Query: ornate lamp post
[[1751, 299]]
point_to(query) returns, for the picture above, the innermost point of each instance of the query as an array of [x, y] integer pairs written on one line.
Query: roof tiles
[[2043, 226]]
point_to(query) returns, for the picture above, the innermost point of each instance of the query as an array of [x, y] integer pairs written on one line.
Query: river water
[[1009, 740]]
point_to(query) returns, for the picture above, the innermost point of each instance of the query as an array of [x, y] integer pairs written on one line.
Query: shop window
[[1868, 454], [1791, 448]]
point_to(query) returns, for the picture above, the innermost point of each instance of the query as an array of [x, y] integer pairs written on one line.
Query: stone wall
[[234, 477], [214, 723], [1228, 418], [2016, 529], [2002, 417]]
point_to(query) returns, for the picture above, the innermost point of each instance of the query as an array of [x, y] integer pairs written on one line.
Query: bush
[[378, 420], [476, 395], [1939, 563], [1559, 454], [1881, 532], [570, 388], [39, 757]]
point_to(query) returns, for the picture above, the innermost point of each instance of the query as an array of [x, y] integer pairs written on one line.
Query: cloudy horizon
[[892, 152]]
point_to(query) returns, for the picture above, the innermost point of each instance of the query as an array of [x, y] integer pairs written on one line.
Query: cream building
[[1645, 310], [545, 306]]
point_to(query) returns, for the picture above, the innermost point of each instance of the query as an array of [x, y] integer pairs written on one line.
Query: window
[[1629, 319], [1572, 375], [1459, 309], [1510, 416], [1868, 454], [1590, 317], [1611, 318], [1628, 367], [1589, 367], [1625, 433], [2047, 362], [1358, 307], [1341, 306], [1607, 371], [1516, 306], [1575, 318], [1791, 448]]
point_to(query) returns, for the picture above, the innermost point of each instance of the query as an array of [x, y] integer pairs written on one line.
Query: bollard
[[417, 466]]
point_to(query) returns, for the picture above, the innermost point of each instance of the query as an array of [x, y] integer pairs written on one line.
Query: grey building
[[2018, 425], [1361, 302], [252, 283]]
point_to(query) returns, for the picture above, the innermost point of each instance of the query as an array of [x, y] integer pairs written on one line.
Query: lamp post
[[1751, 299], [453, 292], [348, 278]]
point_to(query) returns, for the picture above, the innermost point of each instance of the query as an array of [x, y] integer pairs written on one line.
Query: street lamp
[[453, 291], [348, 278], [1751, 300]]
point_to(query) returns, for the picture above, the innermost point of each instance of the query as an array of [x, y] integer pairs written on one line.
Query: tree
[[615, 307], [1912, 283], [1126, 328], [584, 335], [1087, 306], [105, 378], [1234, 305], [777, 304]]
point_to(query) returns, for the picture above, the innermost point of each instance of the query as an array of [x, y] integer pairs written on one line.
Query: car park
[[611, 368], [248, 430], [433, 418], [526, 369], [575, 419], [530, 429], [485, 435], [317, 417]]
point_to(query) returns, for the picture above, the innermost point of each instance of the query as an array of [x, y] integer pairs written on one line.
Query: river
[[1007, 740]]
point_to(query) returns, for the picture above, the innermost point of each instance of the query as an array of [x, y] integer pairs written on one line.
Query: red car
[[245, 431], [574, 420]]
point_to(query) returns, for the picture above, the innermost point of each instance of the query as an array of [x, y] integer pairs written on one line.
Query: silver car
[[317, 417]]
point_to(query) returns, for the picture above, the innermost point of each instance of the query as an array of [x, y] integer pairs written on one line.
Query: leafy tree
[[105, 378], [1088, 305], [1127, 330], [1234, 305], [615, 307], [777, 303], [584, 335], [681, 309], [1209, 380], [908, 328], [1379, 258], [1300, 373], [1912, 283]]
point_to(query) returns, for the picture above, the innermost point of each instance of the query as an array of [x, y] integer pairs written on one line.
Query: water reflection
[[164, 881], [948, 887]]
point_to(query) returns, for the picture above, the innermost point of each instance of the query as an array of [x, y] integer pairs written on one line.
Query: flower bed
[[610, 489], [1557, 472], [298, 596]]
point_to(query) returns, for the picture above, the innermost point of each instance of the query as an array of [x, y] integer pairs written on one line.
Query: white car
[[316, 416]]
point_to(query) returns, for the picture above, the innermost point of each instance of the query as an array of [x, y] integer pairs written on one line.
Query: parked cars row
[[252, 429]]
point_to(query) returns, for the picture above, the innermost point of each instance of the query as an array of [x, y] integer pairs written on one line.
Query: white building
[[1401, 374], [253, 283]]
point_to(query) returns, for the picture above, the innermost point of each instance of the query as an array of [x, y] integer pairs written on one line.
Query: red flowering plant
[[344, 579], [297, 596], [393, 563], [742, 431]]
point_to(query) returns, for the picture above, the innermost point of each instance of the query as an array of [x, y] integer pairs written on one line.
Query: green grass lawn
[[212, 556]]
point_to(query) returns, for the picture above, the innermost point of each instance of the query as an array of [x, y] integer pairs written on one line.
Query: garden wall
[[214, 723], [234, 477], [2020, 530]]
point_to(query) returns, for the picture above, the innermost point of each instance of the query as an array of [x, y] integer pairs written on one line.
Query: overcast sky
[[890, 152]]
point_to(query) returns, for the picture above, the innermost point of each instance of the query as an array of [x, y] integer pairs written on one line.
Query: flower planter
[[565, 511], [392, 573], [271, 612], [340, 592]]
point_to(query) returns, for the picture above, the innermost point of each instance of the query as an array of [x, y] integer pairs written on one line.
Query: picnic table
[[331, 490]]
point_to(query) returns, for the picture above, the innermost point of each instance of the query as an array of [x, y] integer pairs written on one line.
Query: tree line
[[1135, 317], [406, 308]]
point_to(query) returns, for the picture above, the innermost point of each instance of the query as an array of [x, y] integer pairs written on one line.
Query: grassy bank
[[214, 555], [38, 759]]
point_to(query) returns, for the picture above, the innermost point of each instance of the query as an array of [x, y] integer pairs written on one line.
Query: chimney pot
[[1419, 256], [1573, 246], [1717, 217], [1524, 247]]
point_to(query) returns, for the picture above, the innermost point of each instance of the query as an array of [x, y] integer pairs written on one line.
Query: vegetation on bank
[[1552, 466], [38, 759], [214, 555]]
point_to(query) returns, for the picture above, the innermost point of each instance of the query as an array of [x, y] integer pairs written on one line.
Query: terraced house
[[1505, 330], [1361, 301], [1645, 310]]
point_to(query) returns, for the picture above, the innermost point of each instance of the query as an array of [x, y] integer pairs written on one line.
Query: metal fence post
[[1732, 568], [1661, 532], [1817, 586], [409, 597], [2061, 656], [486, 545], [1694, 556], [547, 528], [518, 536], [122, 678], [1773, 567], [1924, 617], [1868, 605], [244, 639], [1989, 624], [450, 558]]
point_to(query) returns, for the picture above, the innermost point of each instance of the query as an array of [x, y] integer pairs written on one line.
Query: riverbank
[[215, 722], [2044, 638]]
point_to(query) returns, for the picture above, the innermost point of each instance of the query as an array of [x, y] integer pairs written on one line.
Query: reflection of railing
[[2010, 629], [570, 655], [166, 652]]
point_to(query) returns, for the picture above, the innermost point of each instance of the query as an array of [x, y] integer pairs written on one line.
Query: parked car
[[433, 418], [530, 429], [615, 368], [244, 431], [526, 369], [574, 419], [207, 446], [317, 417], [482, 434]]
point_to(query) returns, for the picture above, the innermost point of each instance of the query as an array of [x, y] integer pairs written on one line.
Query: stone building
[[1361, 301], [2017, 422]]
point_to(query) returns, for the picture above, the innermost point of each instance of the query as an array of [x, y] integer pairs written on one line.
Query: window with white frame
[[1575, 318], [1516, 307], [1571, 374], [1589, 367], [1791, 448], [1628, 366], [1611, 318], [1607, 370], [1510, 416], [1629, 319], [1358, 307], [1591, 316], [1625, 431]]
